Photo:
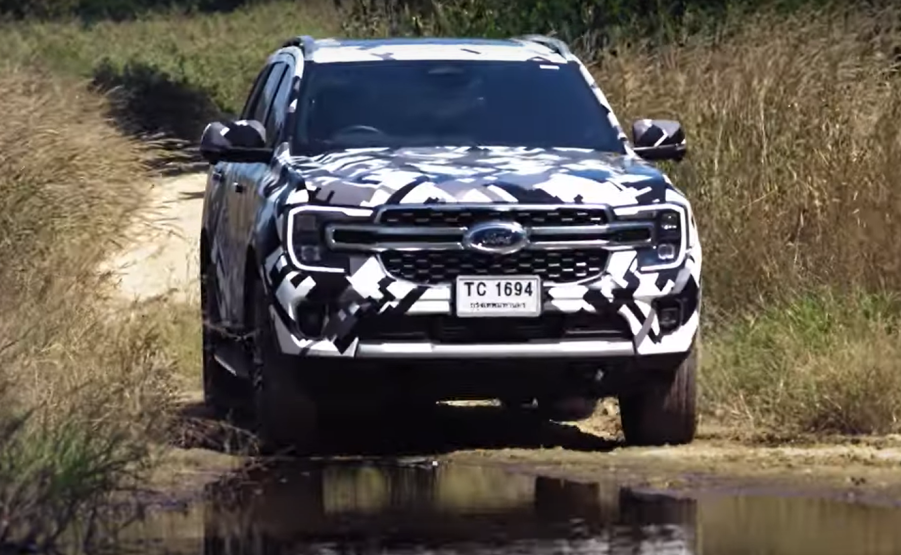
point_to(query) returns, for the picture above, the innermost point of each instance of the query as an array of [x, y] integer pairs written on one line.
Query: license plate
[[484, 296]]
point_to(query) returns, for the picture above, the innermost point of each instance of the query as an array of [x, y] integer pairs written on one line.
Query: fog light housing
[[310, 318], [310, 254], [666, 251], [669, 314], [669, 318]]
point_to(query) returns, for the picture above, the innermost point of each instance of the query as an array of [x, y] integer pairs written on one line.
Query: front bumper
[[368, 294], [557, 349]]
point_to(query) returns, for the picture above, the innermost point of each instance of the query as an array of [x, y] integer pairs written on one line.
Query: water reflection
[[334, 508], [372, 508]]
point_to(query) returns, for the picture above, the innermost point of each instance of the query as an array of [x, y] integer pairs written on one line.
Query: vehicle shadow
[[196, 195], [434, 431]]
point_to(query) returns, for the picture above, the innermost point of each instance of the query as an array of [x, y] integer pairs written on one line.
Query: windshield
[[437, 103]]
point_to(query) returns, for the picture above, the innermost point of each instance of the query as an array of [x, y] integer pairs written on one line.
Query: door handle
[[238, 187], [217, 175]]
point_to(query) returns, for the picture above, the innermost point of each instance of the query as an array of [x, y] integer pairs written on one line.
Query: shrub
[[587, 24], [823, 363], [791, 114], [107, 9], [148, 100], [168, 72], [794, 139], [82, 391], [792, 120]]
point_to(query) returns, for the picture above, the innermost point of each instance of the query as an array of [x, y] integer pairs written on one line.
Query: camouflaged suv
[[405, 221]]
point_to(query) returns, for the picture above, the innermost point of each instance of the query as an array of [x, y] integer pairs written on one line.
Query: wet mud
[[424, 506], [479, 479], [387, 431]]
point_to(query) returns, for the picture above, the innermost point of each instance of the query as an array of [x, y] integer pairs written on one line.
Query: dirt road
[[163, 261], [163, 257]]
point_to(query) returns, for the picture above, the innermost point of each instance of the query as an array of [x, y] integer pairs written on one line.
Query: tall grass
[[792, 118], [794, 130], [826, 362], [81, 391], [795, 138], [171, 72], [86, 392]]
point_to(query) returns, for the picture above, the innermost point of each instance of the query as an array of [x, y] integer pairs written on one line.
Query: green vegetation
[[107, 9], [795, 137], [791, 112], [825, 363], [82, 391], [588, 25], [167, 73], [792, 118]]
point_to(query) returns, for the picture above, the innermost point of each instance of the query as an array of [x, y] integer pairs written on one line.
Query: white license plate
[[484, 296]]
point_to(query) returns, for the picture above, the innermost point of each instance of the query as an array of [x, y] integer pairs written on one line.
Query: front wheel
[[286, 417], [567, 409], [222, 391], [664, 411]]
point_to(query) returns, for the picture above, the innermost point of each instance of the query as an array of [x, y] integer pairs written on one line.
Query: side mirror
[[235, 141], [659, 139]]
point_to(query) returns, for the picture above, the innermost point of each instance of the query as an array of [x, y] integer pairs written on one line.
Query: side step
[[234, 359]]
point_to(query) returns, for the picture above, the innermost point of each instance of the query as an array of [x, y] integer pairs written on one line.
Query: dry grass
[[207, 57], [795, 136], [792, 119], [794, 128], [83, 392], [822, 364]]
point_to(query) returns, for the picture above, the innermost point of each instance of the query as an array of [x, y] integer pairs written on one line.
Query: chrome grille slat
[[435, 267], [424, 243], [528, 216], [350, 237]]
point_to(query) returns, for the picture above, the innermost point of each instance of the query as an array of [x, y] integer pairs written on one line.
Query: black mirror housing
[[659, 139], [235, 141]]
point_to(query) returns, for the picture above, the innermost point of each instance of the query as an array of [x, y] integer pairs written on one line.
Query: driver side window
[[254, 96]]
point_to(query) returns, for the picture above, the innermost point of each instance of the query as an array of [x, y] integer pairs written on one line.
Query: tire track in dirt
[[162, 256], [161, 260]]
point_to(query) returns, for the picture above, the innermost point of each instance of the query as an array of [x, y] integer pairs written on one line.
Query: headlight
[[304, 234], [669, 235]]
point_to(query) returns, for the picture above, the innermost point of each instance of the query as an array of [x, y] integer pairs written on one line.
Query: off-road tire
[[285, 416], [411, 406], [664, 410], [221, 389], [516, 404], [570, 409]]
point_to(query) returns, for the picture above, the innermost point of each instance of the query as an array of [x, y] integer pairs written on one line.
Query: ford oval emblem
[[496, 237]]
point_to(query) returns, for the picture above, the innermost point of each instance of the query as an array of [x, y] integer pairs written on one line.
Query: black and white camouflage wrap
[[357, 181], [360, 180]]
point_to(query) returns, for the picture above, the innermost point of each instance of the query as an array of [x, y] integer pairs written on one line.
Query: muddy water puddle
[[428, 508]]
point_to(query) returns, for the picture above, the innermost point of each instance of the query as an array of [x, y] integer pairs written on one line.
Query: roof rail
[[553, 43], [306, 43]]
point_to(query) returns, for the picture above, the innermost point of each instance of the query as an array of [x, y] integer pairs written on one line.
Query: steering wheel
[[353, 128]]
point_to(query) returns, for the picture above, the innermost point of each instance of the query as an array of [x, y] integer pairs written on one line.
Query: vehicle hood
[[377, 176]]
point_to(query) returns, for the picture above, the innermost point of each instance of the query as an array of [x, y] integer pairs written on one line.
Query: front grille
[[438, 217], [435, 267], [424, 243], [448, 329]]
